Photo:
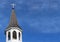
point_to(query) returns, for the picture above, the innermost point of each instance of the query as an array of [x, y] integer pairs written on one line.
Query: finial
[[13, 5]]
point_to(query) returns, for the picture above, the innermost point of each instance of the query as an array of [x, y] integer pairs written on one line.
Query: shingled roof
[[13, 21]]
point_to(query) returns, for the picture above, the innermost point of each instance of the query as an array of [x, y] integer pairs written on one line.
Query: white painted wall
[[11, 31]]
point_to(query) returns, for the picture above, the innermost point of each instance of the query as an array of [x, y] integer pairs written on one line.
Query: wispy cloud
[[40, 4], [45, 25], [3, 3], [45, 21]]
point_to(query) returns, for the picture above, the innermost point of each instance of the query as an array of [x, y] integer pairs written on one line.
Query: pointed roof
[[13, 21]]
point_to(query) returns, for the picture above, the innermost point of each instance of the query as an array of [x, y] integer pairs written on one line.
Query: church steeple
[[13, 20], [13, 32]]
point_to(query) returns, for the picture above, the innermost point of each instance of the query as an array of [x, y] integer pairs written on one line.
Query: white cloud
[[2, 3], [39, 4], [45, 25]]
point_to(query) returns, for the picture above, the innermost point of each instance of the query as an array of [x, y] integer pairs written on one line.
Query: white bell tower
[[13, 32]]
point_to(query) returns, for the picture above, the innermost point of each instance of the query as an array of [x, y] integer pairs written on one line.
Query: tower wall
[[11, 35]]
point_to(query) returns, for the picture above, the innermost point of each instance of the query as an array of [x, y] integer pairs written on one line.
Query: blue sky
[[39, 19]]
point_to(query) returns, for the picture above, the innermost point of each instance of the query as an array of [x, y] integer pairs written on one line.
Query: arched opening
[[14, 35], [9, 36], [19, 35]]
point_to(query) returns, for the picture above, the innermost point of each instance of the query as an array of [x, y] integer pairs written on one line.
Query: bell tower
[[13, 32]]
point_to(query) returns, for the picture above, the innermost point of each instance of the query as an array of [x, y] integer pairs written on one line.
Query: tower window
[[14, 35], [19, 35], [9, 36]]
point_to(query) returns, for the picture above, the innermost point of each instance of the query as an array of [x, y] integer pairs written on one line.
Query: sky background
[[39, 19]]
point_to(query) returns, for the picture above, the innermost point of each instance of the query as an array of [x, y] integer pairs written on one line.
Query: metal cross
[[13, 5]]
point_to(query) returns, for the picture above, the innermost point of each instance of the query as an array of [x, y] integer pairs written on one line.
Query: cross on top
[[13, 5]]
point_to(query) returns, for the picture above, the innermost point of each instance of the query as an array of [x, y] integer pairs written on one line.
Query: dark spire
[[13, 20]]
